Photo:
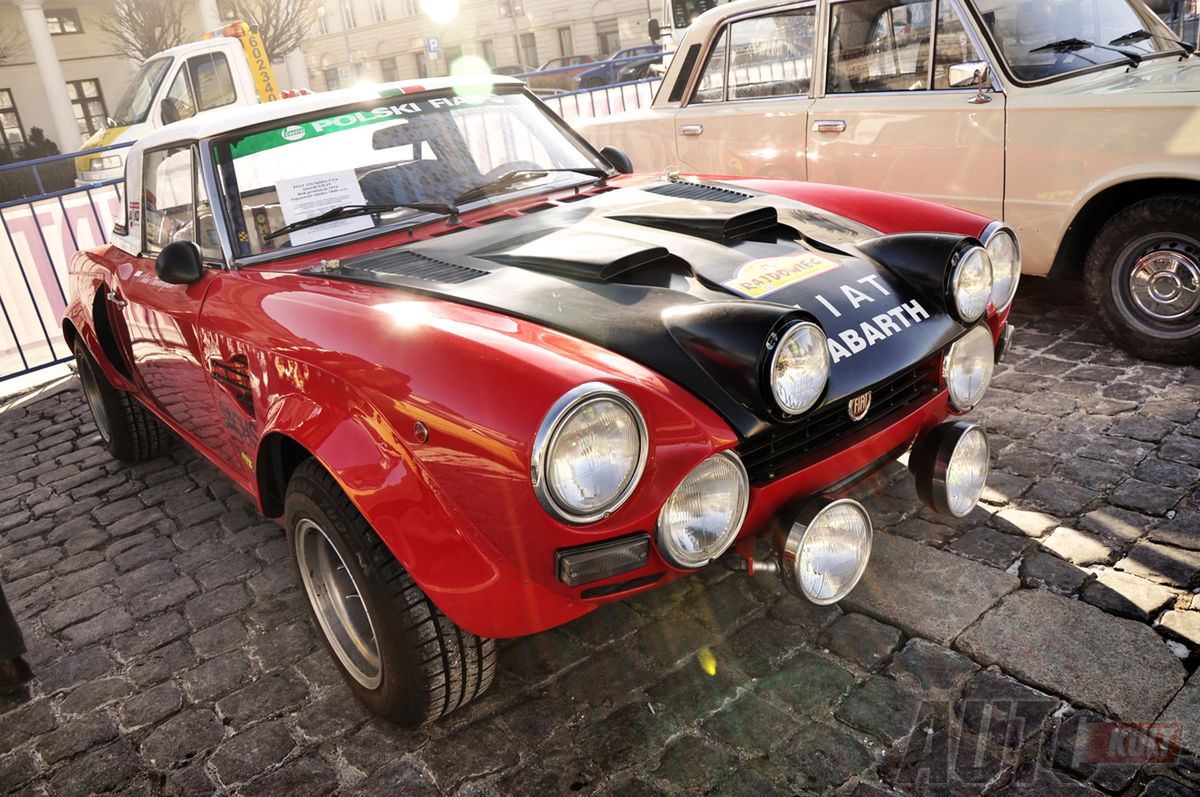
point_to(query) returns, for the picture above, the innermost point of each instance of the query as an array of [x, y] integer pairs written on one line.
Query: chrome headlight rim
[[990, 233], [948, 362], [794, 544], [931, 460], [555, 419], [731, 534], [791, 329], [959, 260]]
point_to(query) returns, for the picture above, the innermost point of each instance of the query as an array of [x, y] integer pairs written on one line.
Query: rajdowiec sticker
[[760, 277]]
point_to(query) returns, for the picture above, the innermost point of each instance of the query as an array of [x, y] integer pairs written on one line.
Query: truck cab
[[228, 67]]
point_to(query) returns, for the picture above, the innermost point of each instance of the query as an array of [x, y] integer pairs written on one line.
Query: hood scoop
[[595, 256], [716, 221], [689, 190]]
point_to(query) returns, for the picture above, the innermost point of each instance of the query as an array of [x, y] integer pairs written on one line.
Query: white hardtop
[[213, 124]]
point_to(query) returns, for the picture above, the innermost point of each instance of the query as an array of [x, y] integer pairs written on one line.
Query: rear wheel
[[1142, 278], [128, 430], [400, 656]]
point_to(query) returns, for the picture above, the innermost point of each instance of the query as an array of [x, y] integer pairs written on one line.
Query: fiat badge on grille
[[858, 406]]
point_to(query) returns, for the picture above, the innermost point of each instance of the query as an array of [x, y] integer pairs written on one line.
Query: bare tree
[[12, 44], [282, 24], [141, 28]]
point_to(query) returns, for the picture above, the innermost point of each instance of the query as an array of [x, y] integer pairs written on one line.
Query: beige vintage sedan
[[1076, 121]]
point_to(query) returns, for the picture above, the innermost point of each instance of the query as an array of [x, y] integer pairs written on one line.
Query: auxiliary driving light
[[826, 549], [951, 467]]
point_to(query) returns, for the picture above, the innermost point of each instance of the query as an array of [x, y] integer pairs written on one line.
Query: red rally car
[[488, 380]]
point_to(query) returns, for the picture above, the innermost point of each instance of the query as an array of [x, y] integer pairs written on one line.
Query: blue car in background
[[605, 73]]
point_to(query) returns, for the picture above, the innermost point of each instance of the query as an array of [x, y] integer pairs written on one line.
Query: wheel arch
[[1100, 208], [279, 455]]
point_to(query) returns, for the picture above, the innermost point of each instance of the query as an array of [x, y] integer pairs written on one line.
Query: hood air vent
[[406, 263], [698, 191], [582, 255], [705, 219]]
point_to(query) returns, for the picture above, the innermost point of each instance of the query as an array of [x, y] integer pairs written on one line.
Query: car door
[[890, 117], [161, 320], [747, 111]]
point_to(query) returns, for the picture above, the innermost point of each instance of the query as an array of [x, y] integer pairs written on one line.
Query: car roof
[[215, 123]]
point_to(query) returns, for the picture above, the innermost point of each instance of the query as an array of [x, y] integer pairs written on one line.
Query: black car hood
[[693, 281]]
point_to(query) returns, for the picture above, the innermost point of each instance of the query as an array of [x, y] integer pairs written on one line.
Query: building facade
[[373, 40]]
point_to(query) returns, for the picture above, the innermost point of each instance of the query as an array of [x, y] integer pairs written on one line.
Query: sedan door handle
[[117, 300], [829, 126], [691, 130]]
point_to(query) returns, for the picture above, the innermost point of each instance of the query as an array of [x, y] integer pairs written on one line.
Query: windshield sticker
[[761, 277], [314, 128], [305, 197]]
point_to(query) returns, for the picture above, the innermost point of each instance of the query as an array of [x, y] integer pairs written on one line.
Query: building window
[[63, 21], [10, 123], [411, 8], [387, 69], [347, 15], [88, 103], [487, 51], [378, 11], [419, 61], [608, 37], [566, 42], [332, 79], [529, 50]]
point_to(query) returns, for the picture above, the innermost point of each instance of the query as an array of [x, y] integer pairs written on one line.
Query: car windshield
[[134, 105], [368, 159], [1042, 39]]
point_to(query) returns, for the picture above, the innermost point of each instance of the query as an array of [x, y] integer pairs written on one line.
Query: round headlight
[[967, 472], [827, 549], [1005, 255], [968, 366], [971, 284], [950, 466], [799, 367], [702, 517], [589, 453]]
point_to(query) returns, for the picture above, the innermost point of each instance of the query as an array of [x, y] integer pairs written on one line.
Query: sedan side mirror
[[619, 160], [179, 263], [971, 73]]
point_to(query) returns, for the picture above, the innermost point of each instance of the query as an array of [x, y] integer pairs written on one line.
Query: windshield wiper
[[350, 211], [518, 176], [1135, 36], [1073, 44]]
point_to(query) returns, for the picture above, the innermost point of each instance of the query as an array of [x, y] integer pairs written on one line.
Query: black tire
[[593, 83], [128, 430], [424, 665], [1131, 254]]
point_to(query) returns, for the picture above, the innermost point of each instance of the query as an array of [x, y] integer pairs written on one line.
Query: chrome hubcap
[[338, 604], [91, 392], [1165, 285]]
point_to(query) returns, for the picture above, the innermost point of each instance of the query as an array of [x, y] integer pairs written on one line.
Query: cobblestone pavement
[[173, 654]]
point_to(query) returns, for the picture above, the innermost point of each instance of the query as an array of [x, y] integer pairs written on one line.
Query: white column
[[210, 17], [66, 129], [297, 68]]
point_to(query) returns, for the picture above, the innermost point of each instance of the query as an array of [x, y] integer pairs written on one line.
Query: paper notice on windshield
[[305, 197]]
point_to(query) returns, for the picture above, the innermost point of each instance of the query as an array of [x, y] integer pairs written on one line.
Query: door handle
[[691, 130], [829, 126], [117, 300]]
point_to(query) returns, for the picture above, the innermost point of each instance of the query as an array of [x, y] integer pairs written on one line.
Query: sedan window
[[772, 56], [877, 45], [952, 46]]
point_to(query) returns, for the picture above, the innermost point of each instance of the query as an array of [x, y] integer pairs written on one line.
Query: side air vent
[[233, 375], [698, 191], [406, 263]]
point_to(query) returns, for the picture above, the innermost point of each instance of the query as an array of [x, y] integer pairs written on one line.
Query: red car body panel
[[346, 370]]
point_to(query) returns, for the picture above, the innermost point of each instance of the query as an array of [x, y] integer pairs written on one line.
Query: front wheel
[[400, 656], [1142, 278], [128, 430]]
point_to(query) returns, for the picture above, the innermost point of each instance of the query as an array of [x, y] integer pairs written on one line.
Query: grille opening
[[781, 449]]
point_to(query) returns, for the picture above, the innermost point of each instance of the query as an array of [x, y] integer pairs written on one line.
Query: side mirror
[[971, 73], [654, 29], [179, 263], [619, 160], [170, 111]]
